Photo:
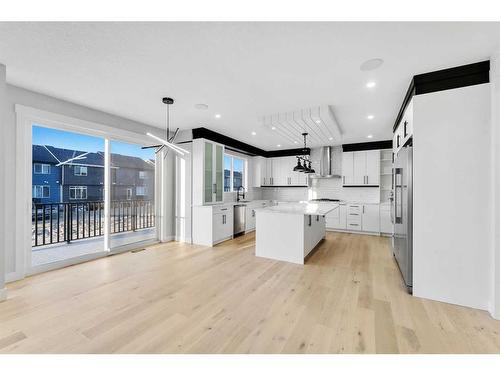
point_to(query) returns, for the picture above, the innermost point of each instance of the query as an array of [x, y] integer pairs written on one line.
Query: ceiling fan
[[168, 141]]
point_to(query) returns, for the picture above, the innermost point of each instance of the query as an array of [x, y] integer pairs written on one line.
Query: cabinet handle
[[354, 225], [367, 180], [223, 209], [309, 220], [405, 131], [352, 214], [214, 188], [363, 209], [343, 180], [397, 141], [353, 206], [253, 213]]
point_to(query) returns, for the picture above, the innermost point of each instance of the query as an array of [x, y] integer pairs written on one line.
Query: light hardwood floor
[[178, 298]]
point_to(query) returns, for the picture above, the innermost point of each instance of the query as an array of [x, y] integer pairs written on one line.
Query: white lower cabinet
[[385, 219], [212, 224], [370, 221], [222, 220], [357, 217]]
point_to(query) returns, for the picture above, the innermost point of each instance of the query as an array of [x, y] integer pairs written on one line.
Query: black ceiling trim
[[365, 146], [446, 79], [243, 147]]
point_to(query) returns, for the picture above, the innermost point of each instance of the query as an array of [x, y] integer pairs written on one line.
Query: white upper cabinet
[[348, 168], [279, 172], [208, 173], [373, 167], [361, 168], [404, 131]]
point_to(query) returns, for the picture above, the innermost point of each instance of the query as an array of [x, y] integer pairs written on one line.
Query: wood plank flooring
[[179, 298]]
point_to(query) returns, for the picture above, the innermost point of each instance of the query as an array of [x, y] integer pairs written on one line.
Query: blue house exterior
[[46, 176], [62, 176]]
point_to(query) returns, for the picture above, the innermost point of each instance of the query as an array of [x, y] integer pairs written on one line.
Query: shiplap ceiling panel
[[319, 122]]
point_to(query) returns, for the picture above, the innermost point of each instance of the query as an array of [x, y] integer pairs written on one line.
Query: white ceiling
[[243, 71]]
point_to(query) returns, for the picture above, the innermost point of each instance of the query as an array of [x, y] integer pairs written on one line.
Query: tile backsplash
[[324, 188]]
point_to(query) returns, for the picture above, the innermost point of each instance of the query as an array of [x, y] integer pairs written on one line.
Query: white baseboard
[[168, 239], [3, 294], [182, 239], [13, 276]]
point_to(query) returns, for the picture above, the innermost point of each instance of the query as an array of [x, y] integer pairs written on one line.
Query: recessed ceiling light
[[331, 138], [318, 121], [278, 145], [217, 115], [254, 133], [371, 64], [295, 142], [201, 106], [371, 84], [273, 127], [369, 136], [370, 117]]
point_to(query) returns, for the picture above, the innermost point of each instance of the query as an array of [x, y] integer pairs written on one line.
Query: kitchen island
[[290, 231]]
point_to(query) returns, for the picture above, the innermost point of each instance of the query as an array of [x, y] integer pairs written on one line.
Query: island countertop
[[301, 208]]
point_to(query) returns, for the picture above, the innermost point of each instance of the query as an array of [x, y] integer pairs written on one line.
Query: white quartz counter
[[302, 208]]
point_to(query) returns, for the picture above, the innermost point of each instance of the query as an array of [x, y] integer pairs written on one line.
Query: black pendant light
[[309, 169], [306, 168], [299, 167]]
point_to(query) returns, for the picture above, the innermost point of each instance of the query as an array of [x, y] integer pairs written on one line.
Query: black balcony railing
[[66, 222]]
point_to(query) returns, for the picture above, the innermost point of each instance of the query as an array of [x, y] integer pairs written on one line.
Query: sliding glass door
[[132, 198], [67, 218], [69, 197]]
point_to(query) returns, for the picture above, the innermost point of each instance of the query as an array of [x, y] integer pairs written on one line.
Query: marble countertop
[[301, 208]]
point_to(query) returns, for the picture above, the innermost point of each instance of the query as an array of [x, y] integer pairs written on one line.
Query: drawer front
[[354, 209], [221, 209], [354, 222]]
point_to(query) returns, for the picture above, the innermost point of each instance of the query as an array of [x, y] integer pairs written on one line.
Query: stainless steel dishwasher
[[239, 219]]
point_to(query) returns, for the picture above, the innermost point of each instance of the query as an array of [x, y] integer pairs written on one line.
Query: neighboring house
[[132, 178], [46, 176], [62, 175]]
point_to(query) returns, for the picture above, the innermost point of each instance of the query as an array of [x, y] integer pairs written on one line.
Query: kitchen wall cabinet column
[[3, 104], [208, 172]]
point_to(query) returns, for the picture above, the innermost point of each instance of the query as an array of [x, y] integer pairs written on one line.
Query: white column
[[495, 122], [3, 104]]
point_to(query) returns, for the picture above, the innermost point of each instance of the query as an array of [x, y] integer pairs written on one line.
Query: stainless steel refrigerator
[[402, 213]]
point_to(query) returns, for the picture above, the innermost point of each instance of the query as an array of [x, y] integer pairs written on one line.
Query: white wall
[[16, 95], [452, 183], [3, 196], [495, 214]]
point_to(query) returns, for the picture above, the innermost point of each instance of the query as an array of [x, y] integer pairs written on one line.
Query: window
[[142, 175], [129, 194], [80, 170], [77, 192], [140, 190], [41, 191], [234, 173], [41, 168]]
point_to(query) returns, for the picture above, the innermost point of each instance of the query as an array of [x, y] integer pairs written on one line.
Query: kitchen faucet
[[238, 193]]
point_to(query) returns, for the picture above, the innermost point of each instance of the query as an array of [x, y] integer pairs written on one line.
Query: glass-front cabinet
[[208, 161]]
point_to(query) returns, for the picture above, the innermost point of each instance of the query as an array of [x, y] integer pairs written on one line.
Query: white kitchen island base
[[287, 233]]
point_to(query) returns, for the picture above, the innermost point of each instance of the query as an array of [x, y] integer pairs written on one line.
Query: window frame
[[142, 175], [231, 172], [80, 167], [80, 189], [35, 189], [144, 187], [42, 165]]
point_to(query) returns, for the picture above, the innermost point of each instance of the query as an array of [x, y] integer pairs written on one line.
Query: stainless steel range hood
[[327, 164]]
